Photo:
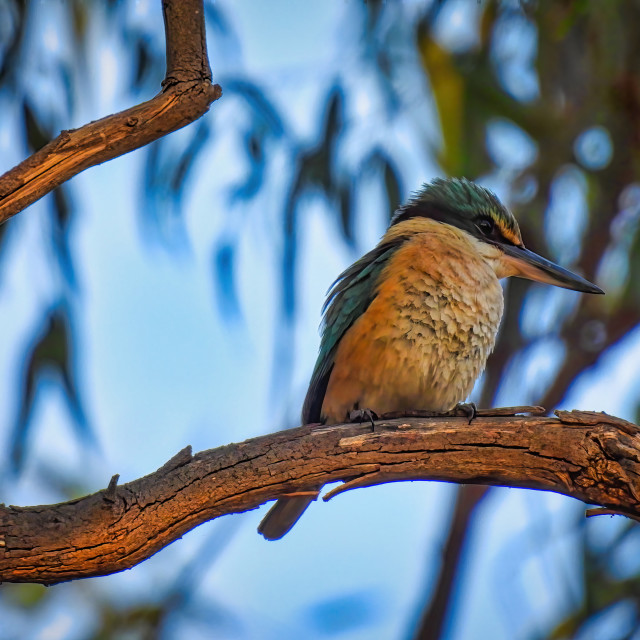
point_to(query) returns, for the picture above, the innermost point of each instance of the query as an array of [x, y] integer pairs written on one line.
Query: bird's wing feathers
[[349, 297]]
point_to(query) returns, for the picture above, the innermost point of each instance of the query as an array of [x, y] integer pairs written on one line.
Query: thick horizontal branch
[[187, 94], [590, 456]]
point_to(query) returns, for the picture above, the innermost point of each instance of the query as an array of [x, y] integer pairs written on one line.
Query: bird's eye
[[485, 226]]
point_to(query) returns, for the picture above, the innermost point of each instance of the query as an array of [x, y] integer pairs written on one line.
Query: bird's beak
[[527, 264]]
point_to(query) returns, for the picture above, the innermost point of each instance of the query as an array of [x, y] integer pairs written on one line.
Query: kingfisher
[[410, 325]]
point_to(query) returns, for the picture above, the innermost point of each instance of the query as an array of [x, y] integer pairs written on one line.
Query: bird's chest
[[424, 339], [446, 332], [442, 323]]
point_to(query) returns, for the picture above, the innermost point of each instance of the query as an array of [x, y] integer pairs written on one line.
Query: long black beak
[[534, 267]]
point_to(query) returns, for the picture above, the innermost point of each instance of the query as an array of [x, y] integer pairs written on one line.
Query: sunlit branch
[[186, 95], [590, 456]]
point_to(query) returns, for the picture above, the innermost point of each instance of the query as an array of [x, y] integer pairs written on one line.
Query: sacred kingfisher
[[410, 324]]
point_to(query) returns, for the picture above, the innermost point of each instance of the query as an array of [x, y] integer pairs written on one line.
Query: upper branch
[[592, 457], [186, 96], [186, 42]]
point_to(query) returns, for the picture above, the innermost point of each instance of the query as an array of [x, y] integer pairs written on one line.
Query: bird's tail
[[283, 515]]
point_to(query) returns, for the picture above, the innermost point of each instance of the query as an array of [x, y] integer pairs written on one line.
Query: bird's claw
[[466, 409], [361, 415]]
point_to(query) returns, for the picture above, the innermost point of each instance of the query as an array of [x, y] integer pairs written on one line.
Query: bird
[[410, 325]]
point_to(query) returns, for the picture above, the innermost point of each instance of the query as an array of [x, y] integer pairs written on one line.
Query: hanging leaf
[[447, 86], [261, 106], [50, 350], [224, 259], [62, 214], [345, 206], [36, 132], [392, 185], [170, 164], [14, 14], [254, 146]]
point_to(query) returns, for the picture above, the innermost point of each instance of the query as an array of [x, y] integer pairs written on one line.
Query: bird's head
[[490, 227]]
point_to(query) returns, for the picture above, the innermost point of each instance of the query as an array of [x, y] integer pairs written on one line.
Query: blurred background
[[172, 296]]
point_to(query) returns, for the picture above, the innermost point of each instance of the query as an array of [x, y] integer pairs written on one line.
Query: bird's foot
[[362, 415], [465, 409]]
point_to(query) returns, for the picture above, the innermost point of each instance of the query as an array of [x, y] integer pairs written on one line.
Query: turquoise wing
[[349, 297]]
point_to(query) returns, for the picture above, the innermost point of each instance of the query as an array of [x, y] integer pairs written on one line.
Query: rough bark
[[186, 95], [590, 456]]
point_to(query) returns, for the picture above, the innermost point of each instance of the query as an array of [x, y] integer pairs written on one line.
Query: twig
[[603, 511]]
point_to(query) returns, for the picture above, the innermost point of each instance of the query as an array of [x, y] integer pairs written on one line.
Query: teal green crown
[[463, 204]]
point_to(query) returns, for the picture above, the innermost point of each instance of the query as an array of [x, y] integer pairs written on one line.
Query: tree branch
[[590, 456], [187, 94]]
